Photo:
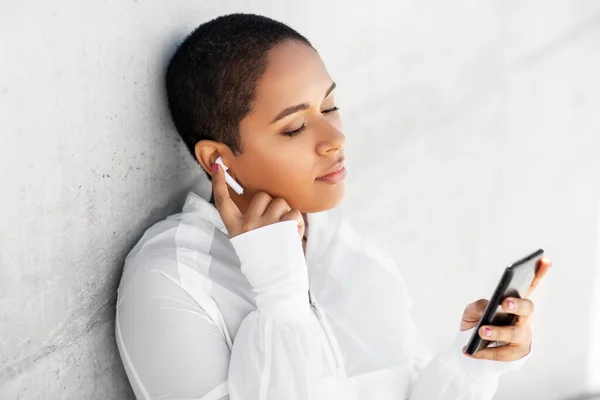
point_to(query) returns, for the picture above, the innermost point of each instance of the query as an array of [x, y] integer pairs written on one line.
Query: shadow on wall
[[590, 396]]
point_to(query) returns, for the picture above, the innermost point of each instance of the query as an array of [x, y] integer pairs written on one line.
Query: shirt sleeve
[[451, 375], [169, 346], [171, 349], [277, 351]]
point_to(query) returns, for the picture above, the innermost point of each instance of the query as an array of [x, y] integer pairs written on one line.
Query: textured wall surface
[[473, 136]]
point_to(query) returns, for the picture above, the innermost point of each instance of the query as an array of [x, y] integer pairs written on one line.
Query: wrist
[[272, 260]]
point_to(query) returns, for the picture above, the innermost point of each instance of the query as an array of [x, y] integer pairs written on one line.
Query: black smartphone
[[515, 281]]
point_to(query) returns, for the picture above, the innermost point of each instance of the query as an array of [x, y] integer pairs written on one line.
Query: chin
[[325, 201]]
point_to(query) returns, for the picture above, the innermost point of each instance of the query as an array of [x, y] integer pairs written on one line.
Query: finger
[[227, 208], [521, 307], [472, 314], [258, 205], [542, 268], [297, 216], [276, 209], [508, 334], [501, 353]]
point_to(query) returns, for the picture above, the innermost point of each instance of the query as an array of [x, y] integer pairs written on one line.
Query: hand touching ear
[[263, 210]]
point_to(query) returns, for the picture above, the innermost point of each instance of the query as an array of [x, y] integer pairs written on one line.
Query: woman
[[271, 294]]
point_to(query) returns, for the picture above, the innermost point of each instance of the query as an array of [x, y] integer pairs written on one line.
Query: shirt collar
[[196, 203]]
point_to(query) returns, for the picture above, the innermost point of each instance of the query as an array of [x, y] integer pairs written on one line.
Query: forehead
[[295, 74]]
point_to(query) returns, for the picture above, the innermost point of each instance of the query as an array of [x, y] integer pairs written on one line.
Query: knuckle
[[218, 202], [528, 336], [247, 226], [295, 213], [531, 306], [488, 354], [262, 196], [520, 334], [500, 355], [495, 356], [514, 334], [279, 203]]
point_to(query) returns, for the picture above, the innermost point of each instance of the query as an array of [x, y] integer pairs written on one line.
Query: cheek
[[281, 172], [289, 173]]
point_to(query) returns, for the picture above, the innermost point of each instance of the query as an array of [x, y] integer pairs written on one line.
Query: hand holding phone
[[499, 321]]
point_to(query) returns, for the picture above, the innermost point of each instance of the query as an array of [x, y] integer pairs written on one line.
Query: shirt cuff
[[482, 369], [272, 260]]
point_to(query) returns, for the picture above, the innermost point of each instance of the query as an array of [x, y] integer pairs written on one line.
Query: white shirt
[[204, 316]]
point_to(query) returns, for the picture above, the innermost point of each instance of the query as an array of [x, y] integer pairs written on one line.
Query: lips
[[336, 168]]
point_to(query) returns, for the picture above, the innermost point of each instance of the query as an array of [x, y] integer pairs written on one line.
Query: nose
[[331, 140]]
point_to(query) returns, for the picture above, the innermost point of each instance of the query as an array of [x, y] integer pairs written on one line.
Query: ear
[[207, 151]]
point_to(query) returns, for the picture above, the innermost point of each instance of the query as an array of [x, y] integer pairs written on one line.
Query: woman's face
[[285, 152]]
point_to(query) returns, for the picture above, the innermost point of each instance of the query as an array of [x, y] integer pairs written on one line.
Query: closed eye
[[297, 131]]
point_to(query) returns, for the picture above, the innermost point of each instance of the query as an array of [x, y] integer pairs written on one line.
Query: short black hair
[[212, 77]]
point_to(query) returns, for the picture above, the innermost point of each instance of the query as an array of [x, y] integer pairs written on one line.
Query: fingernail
[[488, 332], [511, 305], [215, 167]]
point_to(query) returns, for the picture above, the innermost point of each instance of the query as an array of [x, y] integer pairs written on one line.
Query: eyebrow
[[299, 107]]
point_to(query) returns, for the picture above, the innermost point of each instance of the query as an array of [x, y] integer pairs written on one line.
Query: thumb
[[472, 314]]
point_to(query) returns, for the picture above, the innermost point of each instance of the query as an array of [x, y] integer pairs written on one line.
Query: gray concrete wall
[[482, 116]]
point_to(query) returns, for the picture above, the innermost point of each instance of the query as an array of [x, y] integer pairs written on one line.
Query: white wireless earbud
[[230, 181]]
